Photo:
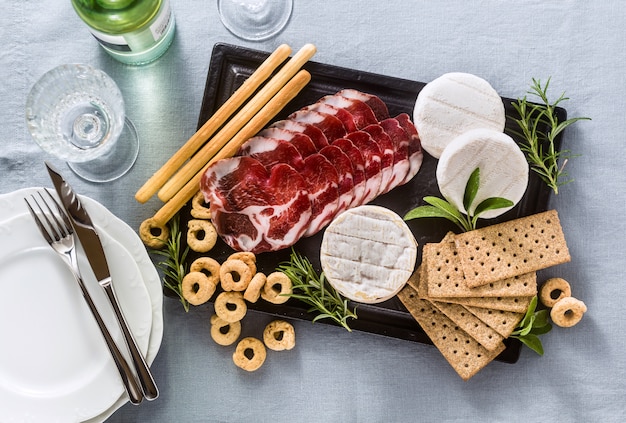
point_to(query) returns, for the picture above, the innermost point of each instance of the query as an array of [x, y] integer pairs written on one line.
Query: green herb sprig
[[174, 267], [539, 144], [441, 208], [533, 324], [314, 290]]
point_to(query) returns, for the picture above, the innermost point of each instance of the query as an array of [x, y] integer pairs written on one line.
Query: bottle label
[[141, 39]]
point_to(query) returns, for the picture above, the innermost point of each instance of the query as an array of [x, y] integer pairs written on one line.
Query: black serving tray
[[231, 65]]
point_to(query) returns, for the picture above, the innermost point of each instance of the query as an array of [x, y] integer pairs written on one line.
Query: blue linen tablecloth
[[333, 375]]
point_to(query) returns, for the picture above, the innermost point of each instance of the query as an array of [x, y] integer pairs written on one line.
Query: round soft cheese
[[503, 169], [368, 254], [452, 104]]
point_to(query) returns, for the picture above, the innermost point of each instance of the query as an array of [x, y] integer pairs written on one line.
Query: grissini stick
[[250, 85], [262, 118], [264, 95]]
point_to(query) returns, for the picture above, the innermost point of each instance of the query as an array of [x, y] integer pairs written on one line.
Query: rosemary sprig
[[438, 207], [174, 267], [539, 144], [533, 324], [314, 290]]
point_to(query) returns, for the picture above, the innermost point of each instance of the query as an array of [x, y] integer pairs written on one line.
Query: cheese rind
[[503, 169], [452, 104], [368, 253]]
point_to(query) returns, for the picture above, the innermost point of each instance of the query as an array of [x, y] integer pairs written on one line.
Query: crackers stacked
[[472, 289]]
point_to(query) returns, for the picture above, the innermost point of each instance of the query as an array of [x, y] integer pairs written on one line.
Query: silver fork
[[57, 231]]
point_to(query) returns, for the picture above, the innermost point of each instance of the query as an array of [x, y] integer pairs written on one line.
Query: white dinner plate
[[54, 364]]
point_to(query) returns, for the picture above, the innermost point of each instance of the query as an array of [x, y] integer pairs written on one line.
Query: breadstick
[[262, 118], [231, 105], [236, 123]]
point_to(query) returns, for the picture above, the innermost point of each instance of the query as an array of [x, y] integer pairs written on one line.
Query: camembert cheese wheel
[[368, 254], [503, 169], [452, 104]]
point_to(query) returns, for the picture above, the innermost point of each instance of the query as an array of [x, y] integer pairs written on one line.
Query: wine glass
[[255, 20], [76, 113]]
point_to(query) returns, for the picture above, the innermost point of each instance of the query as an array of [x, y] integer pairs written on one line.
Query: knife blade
[[90, 240]]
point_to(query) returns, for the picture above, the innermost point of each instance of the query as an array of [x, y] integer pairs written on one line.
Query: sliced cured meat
[[330, 125], [323, 187], [377, 105], [272, 151], [386, 147], [317, 136], [362, 114], [342, 163], [358, 169], [256, 209], [401, 164], [416, 155], [343, 115], [372, 156], [301, 141]]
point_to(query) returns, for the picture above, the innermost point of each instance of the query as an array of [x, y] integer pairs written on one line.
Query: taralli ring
[[253, 291], [235, 275], [201, 235], [246, 257], [567, 312], [197, 288], [208, 266], [223, 332], [553, 290], [276, 286], [250, 354], [230, 306], [199, 210], [153, 234], [279, 335]]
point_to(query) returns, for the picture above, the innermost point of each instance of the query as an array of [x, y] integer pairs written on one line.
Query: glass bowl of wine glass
[[255, 20], [76, 113]]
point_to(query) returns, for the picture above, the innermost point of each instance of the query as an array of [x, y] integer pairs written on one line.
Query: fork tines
[[53, 225]]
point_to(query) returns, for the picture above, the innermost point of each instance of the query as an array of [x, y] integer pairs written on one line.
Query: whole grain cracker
[[466, 356], [503, 322], [472, 325], [512, 248], [515, 304], [446, 278]]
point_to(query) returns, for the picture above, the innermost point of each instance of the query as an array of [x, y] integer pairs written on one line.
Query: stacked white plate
[[54, 363]]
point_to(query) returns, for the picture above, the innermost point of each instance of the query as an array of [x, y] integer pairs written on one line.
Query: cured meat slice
[[317, 136], [345, 171], [401, 164], [416, 155], [330, 125], [343, 115], [272, 151], [372, 156], [386, 147], [361, 112], [358, 169], [378, 106], [302, 142], [323, 187], [256, 209]]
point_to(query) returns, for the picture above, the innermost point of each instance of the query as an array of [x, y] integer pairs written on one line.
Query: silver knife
[[89, 239]]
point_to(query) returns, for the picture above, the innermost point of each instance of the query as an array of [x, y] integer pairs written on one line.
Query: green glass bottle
[[135, 32]]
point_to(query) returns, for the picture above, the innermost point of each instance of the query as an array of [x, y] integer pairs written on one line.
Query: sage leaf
[[471, 189]]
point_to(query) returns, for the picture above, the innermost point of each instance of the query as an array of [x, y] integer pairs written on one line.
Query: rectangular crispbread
[[466, 356], [512, 248], [515, 304], [446, 277], [472, 325], [503, 322]]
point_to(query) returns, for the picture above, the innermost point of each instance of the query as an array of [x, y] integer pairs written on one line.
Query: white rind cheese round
[[452, 104], [503, 169], [368, 254]]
